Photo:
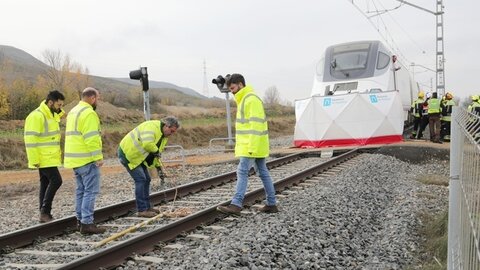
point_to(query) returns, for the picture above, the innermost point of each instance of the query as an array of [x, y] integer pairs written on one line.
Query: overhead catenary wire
[[383, 36], [407, 34], [380, 25]]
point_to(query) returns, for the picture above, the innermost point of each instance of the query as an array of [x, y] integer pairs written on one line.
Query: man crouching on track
[[140, 149], [251, 145]]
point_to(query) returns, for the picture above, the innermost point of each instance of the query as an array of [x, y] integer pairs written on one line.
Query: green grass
[[434, 249], [12, 134]]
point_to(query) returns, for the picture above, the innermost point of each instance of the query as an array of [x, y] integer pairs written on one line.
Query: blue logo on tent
[[373, 99], [327, 102]]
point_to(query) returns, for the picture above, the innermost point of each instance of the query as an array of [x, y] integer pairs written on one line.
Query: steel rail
[[115, 255], [23, 237]]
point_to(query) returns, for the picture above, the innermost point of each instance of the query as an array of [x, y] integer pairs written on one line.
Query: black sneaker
[[270, 209], [230, 209]]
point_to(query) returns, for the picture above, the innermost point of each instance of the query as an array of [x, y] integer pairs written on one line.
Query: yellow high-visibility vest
[[42, 137], [251, 128], [83, 141], [447, 110], [433, 105], [142, 141], [417, 107]]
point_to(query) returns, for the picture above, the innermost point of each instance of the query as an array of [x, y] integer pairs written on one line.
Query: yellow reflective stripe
[[42, 134], [252, 132], [242, 119], [147, 132], [91, 134], [78, 155], [148, 139], [78, 116], [45, 122], [252, 119], [46, 133], [28, 145], [139, 148]]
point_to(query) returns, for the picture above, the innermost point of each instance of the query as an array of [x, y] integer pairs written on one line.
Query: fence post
[[454, 211]]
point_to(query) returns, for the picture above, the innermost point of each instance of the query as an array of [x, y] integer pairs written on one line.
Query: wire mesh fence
[[464, 202]]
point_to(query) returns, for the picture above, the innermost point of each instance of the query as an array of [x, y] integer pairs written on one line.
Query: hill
[[16, 63], [163, 85]]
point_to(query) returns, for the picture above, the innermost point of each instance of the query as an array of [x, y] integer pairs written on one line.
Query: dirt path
[[24, 176]]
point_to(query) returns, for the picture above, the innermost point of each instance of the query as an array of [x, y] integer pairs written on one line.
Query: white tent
[[351, 119]]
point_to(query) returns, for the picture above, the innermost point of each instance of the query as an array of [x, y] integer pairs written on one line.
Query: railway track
[[59, 245]]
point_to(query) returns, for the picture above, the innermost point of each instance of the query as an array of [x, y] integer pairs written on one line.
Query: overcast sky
[[271, 42]]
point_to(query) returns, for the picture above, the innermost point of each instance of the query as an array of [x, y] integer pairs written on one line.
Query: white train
[[361, 95]]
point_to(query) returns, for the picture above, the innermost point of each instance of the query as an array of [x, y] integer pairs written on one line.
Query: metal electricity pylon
[[440, 57], [205, 84]]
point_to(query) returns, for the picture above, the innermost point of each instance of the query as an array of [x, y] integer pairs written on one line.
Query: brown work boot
[[45, 218], [230, 209], [91, 229], [146, 214], [155, 210], [270, 209]]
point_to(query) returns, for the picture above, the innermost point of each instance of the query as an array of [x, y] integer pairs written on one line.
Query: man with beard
[[83, 153], [42, 143]]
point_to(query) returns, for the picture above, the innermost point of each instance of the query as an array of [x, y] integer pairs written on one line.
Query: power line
[[392, 44], [401, 28]]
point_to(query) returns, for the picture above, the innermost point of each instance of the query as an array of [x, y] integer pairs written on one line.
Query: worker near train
[[139, 150], [446, 107], [475, 103], [83, 153], [42, 143], [434, 111], [251, 145], [424, 117], [416, 111]]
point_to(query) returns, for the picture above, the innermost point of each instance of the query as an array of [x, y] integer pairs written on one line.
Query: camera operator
[[251, 145]]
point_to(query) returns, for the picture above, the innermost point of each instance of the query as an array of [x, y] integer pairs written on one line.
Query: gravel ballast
[[365, 217]]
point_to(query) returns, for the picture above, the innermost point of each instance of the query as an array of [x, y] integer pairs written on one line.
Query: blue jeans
[[88, 187], [242, 180], [142, 180]]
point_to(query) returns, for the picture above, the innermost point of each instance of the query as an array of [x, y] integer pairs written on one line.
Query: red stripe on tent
[[349, 142]]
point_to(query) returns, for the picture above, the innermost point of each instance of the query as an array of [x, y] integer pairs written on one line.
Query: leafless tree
[[64, 74], [272, 96]]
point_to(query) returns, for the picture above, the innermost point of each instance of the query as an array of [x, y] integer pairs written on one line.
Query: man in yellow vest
[[139, 150], [83, 153], [416, 111], [42, 142], [446, 107], [251, 145], [434, 118]]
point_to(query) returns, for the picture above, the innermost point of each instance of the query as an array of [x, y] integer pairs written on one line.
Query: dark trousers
[[416, 125], [50, 182], [423, 125], [445, 130], [434, 125]]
